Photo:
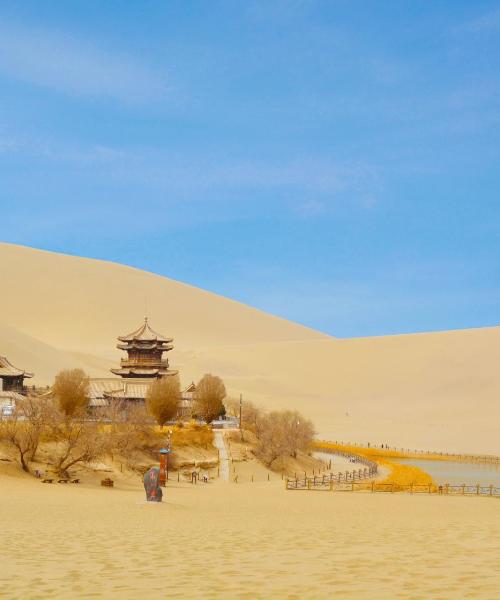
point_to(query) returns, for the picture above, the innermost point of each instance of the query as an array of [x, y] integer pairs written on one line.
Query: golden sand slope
[[243, 541], [431, 391]]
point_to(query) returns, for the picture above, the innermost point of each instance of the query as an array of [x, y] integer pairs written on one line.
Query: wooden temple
[[144, 363], [12, 377], [145, 348]]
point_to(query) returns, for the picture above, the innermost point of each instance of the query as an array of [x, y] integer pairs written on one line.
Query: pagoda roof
[[9, 370], [145, 334], [143, 372], [145, 345]]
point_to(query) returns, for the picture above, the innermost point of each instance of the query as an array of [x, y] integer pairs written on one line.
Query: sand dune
[[436, 391], [243, 541]]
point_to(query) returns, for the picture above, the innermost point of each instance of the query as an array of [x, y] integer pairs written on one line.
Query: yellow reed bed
[[399, 474]]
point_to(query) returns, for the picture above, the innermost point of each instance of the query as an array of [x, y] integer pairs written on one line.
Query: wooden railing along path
[[342, 485]]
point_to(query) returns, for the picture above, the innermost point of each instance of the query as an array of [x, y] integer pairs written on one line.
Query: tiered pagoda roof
[[7, 369], [145, 348]]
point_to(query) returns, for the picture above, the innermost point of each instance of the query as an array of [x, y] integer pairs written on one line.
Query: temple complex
[[143, 364]]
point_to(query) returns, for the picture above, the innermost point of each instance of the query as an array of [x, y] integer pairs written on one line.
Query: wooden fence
[[344, 484], [332, 480]]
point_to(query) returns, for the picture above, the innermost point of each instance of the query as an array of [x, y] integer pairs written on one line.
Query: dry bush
[[250, 413], [71, 389], [163, 398], [23, 430], [76, 440], [192, 435], [210, 392], [283, 433]]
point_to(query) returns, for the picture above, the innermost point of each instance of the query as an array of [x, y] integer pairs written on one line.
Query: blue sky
[[333, 162]]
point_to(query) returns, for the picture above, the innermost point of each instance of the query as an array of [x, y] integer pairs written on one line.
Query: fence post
[[308, 484], [463, 489], [447, 487], [411, 488], [331, 485], [478, 489], [373, 486], [392, 488], [352, 485], [491, 489], [430, 488]]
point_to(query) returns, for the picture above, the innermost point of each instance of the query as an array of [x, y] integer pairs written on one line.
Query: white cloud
[[74, 66]]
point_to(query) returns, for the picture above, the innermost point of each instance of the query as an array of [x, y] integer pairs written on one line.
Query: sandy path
[[223, 455], [244, 541]]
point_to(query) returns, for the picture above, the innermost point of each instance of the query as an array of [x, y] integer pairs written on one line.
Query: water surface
[[457, 473]]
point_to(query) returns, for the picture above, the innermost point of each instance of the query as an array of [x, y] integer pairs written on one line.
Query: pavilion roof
[[9, 370], [144, 333]]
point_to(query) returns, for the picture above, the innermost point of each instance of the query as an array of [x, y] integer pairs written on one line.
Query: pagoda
[[145, 350], [12, 377]]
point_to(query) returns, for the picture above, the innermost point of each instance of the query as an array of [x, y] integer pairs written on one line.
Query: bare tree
[[71, 389], [77, 441], [283, 433], [210, 392], [251, 415], [163, 398], [298, 431], [23, 430]]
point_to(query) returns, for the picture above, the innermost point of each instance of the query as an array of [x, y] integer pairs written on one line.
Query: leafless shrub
[[283, 433], [23, 429]]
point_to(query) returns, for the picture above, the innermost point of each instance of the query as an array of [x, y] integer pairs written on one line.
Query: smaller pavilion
[[11, 386], [12, 377]]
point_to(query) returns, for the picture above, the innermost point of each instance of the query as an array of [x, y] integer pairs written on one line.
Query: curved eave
[[144, 333], [143, 372], [137, 345]]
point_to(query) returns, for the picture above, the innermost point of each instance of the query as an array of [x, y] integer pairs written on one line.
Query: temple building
[[12, 377], [145, 350], [11, 386], [143, 364]]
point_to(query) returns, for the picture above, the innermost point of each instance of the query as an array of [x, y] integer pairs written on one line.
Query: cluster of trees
[[279, 434], [62, 419], [58, 419], [164, 395]]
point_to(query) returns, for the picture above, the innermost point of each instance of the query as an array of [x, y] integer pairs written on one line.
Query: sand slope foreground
[[244, 541], [437, 391]]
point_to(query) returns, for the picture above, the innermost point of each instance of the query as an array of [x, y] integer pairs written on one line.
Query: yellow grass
[[192, 435], [399, 474]]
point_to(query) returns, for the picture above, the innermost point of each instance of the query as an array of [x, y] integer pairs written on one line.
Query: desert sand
[[223, 540], [436, 391]]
